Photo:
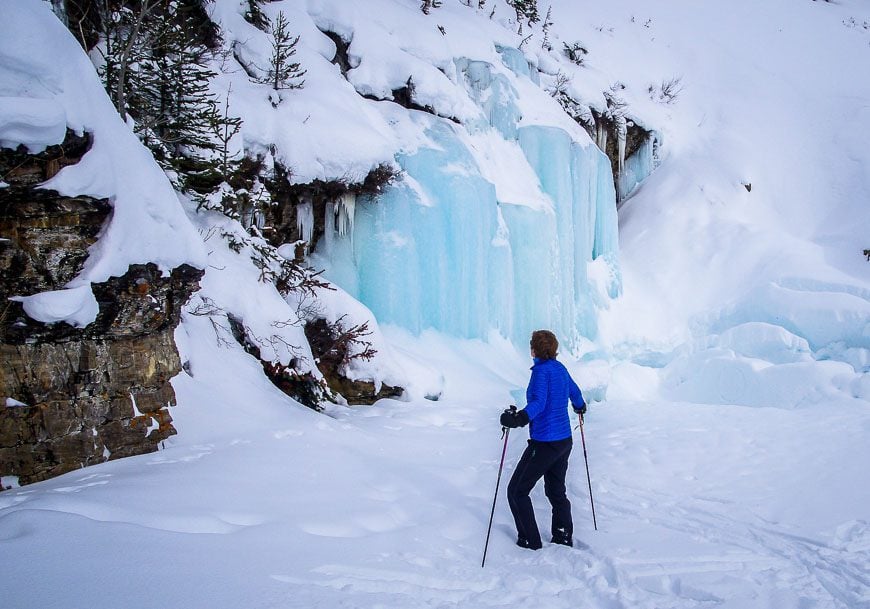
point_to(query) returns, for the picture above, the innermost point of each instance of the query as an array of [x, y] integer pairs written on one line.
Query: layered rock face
[[71, 397]]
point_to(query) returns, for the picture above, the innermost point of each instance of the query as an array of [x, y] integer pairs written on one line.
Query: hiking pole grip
[[506, 433], [588, 479]]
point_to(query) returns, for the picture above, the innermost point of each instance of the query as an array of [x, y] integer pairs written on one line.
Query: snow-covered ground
[[261, 503], [728, 454]]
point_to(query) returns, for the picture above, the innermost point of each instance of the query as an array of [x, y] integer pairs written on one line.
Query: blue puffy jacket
[[547, 397]]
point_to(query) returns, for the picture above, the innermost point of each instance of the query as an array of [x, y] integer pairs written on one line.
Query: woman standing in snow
[[546, 412]]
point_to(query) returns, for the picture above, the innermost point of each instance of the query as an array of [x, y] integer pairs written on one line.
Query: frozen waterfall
[[455, 244]]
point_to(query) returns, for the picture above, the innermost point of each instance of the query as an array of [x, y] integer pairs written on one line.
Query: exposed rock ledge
[[96, 393], [71, 397]]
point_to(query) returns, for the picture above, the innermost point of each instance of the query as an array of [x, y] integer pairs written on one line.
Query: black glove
[[582, 410], [510, 418]]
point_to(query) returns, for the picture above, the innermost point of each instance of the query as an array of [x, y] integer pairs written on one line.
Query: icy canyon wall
[[502, 214]]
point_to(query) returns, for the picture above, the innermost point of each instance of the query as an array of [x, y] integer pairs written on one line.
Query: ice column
[[621, 131], [601, 135], [637, 168], [578, 180], [346, 208], [425, 248], [305, 220], [494, 94]]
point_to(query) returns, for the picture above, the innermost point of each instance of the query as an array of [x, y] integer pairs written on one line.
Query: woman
[[546, 412]]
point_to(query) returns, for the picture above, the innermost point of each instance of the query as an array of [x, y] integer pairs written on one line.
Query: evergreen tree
[[176, 112], [237, 196], [548, 23], [225, 130], [126, 37], [283, 72], [254, 15], [156, 66], [190, 110], [526, 9], [428, 5]]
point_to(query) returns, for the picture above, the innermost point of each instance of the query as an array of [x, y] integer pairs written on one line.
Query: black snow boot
[[562, 537], [524, 543]]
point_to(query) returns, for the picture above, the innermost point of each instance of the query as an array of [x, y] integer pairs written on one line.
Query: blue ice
[[636, 168], [438, 250]]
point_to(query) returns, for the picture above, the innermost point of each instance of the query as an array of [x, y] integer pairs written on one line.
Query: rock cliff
[[71, 397]]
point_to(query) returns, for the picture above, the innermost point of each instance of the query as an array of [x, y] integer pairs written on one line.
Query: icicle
[[257, 218], [305, 220], [346, 210], [601, 135], [621, 132]]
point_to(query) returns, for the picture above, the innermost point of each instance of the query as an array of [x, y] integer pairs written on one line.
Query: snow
[[76, 306], [232, 286], [721, 335], [7, 482], [36, 123], [734, 120], [298, 129]]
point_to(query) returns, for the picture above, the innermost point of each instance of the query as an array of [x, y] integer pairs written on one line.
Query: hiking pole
[[505, 432], [588, 479]]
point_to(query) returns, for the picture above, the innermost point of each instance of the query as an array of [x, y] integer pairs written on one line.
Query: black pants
[[550, 460]]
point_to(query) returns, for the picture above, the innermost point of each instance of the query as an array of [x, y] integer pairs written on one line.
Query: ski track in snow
[[747, 561], [398, 519], [747, 554], [755, 555]]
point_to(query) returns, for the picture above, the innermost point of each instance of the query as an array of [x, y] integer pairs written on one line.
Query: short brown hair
[[544, 343]]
